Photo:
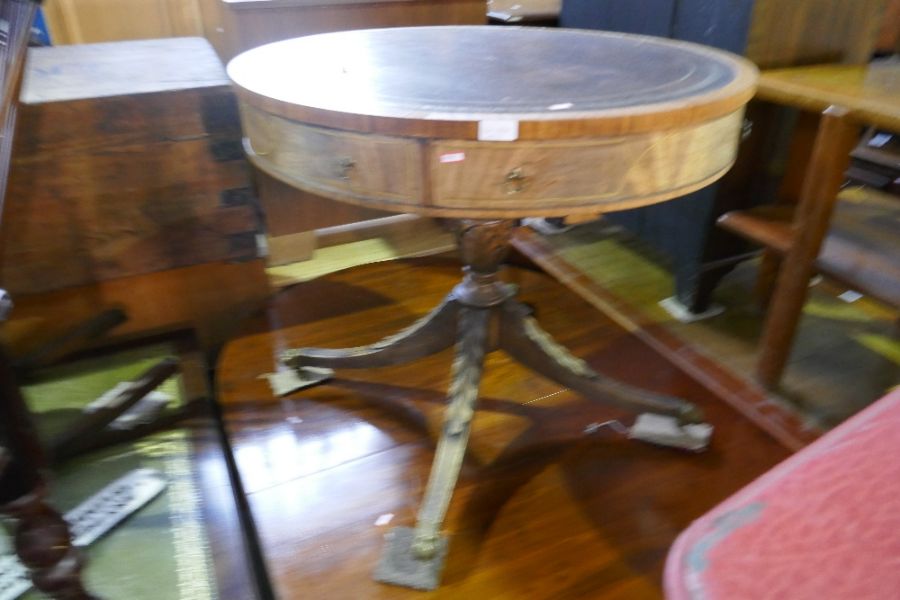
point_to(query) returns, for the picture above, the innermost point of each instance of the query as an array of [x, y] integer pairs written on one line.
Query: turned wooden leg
[[831, 154], [523, 339], [429, 335], [765, 279]]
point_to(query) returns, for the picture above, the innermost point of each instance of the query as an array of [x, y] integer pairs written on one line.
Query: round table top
[[444, 81]]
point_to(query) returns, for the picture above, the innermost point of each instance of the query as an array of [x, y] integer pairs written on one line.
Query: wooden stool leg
[[765, 280], [824, 176]]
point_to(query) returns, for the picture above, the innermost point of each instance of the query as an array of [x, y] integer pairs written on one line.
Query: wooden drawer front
[[569, 176], [359, 168]]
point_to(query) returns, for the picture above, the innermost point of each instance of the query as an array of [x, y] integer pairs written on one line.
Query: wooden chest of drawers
[[127, 160]]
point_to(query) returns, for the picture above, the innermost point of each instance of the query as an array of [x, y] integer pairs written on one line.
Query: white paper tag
[[452, 157], [498, 131]]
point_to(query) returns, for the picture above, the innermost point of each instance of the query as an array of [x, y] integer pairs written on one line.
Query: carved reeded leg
[[43, 544], [429, 335], [523, 339], [451, 449], [414, 558]]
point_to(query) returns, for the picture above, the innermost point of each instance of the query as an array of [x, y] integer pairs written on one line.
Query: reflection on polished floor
[[846, 354], [549, 505]]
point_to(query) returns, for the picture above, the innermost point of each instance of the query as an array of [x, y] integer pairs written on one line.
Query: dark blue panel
[[720, 23], [650, 17]]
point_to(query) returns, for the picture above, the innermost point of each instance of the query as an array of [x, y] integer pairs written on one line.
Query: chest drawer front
[[360, 168], [569, 176]]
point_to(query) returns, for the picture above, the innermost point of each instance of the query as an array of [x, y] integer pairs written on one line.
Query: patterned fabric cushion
[[823, 524]]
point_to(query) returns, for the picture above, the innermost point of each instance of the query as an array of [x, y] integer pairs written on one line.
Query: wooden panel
[[290, 210], [813, 31], [88, 21], [208, 298], [368, 168], [255, 22], [117, 185], [117, 68], [580, 176], [869, 93]]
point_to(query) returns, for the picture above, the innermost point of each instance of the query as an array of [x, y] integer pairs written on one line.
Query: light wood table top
[[871, 93], [492, 121]]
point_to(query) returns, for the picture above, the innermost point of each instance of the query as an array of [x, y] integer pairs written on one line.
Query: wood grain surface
[[442, 81], [807, 32], [870, 94], [545, 508], [492, 122], [125, 163]]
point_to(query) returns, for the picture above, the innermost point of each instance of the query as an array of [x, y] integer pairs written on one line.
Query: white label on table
[[498, 131], [452, 157]]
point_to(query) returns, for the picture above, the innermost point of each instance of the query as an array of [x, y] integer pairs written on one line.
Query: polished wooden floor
[[548, 504]]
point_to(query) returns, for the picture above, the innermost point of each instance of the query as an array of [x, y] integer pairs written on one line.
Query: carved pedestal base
[[480, 315]]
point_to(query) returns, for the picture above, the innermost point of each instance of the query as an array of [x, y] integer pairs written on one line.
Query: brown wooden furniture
[[440, 121], [42, 538], [293, 215], [129, 186], [92, 21], [863, 253], [771, 33], [544, 508]]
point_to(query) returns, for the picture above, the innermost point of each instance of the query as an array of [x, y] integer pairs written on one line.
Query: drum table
[[487, 125]]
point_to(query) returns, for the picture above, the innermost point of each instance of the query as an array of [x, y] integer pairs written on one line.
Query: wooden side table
[[487, 125], [848, 98]]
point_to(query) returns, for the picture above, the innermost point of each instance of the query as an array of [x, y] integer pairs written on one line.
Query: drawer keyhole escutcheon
[[345, 167], [515, 181]]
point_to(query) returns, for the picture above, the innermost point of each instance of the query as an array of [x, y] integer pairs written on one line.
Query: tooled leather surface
[[823, 524]]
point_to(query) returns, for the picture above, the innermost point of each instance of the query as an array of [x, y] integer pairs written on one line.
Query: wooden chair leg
[[824, 176], [765, 279]]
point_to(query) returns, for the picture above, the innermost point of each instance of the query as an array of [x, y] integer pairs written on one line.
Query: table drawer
[[567, 176], [362, 168]]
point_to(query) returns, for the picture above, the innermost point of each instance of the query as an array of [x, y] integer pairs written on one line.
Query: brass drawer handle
[[516, 181], [345, 168]]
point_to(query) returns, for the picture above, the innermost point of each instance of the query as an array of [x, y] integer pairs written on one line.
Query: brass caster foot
[[400, 564]]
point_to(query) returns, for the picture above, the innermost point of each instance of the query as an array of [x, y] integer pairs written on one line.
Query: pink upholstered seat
[[824, 524]]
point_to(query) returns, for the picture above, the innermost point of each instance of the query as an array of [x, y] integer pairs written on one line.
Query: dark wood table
[[486, 125]]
